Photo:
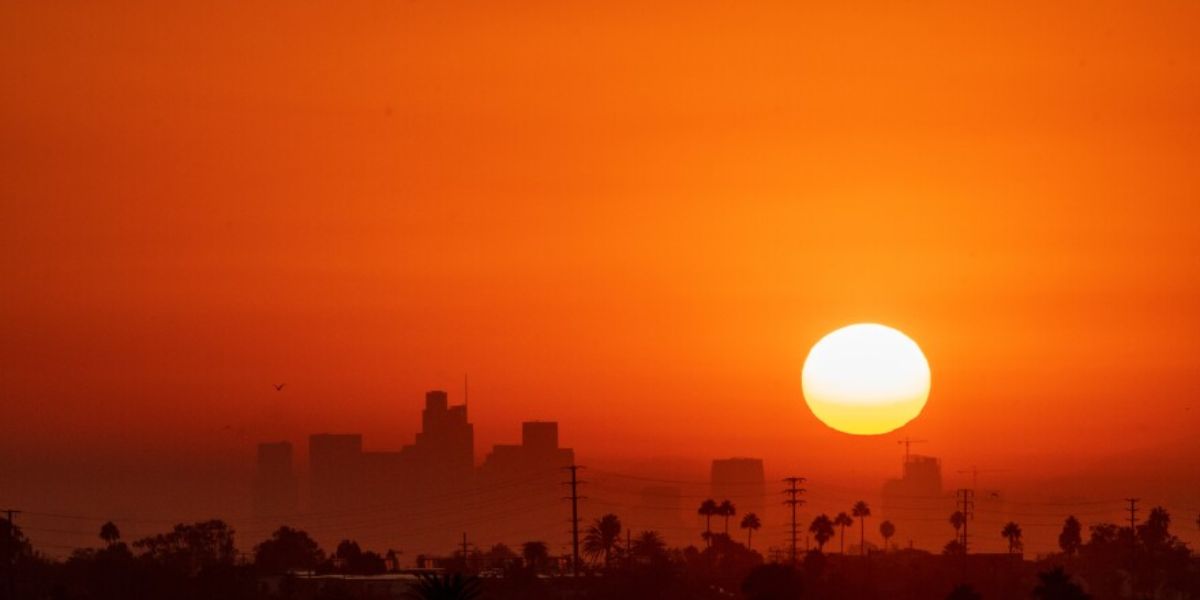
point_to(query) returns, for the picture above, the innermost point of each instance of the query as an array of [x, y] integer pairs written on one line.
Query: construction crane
[[907, 443]]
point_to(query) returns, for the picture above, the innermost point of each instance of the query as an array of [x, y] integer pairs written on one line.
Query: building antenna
[[466, 391]]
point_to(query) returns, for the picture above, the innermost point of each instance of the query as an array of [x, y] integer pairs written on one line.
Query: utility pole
[[1133, 509], [12, 532], [793, 499], [974, 473], [466, 551], [966, 502], [574, 498]]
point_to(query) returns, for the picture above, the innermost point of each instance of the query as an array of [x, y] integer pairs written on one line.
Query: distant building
[[529, 478], [537, 453], [276, 492], [435, 477], [909, 502], [445, 446], [335, 463], [741, 481]]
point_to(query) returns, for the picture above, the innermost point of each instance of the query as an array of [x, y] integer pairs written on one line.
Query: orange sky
[[635, 221]]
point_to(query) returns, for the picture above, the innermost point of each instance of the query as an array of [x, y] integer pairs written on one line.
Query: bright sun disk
[[866, 379]]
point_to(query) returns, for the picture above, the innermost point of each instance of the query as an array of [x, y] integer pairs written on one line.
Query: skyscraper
[[445, 446], [276, 493], [335, 467], [741, 481], [909, 501]]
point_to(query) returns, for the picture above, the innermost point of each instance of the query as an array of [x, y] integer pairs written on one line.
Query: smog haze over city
[[435, 279]]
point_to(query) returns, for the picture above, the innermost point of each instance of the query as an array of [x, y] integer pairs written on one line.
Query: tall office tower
[[276, 493], [741, 481], [335, 471]]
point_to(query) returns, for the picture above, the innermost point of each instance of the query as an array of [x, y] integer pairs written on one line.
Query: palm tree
[[602, 538], [862, 511], [750, 523], [109, 533], [649, 545], [535, 554], [1071, 538], [1012, 532], [958, 519], [707, 509], [887, 530], [822, 530], [445, 587], [843, 520], [726, 509]]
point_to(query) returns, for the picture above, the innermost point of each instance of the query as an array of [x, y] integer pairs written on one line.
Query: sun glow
[[866, 379]]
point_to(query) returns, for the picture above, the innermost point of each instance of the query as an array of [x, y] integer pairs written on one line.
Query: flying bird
[[279, 386]]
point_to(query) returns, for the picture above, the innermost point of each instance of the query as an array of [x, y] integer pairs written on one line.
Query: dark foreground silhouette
[[201, 561]]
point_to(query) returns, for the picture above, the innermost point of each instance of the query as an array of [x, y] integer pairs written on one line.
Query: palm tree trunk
[[749, 536], [842, 540], [862, 536]]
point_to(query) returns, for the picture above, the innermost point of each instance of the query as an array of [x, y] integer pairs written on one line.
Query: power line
[[966, 499], [1133, 509], [792, 499], [574, 498]]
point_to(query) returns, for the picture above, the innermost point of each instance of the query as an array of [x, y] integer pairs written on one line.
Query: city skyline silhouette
[[663, 300]]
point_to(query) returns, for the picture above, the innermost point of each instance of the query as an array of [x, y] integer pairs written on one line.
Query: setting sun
[[866, 379]]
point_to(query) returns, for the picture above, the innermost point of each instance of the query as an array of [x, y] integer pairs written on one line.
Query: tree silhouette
[[726, 509], [958, 519], [1071, 537], [602, 538], [353, 559], [1057, 585], [649, 547], [109, 533], [963, 591], [191, 548], [751, 523], [707, 509], [887, 530], [843, 520], [822, 530], [535, 554], [862, 511], [14, 546], [1012, 532], [287, 549], [1155, 531], [445, 587]]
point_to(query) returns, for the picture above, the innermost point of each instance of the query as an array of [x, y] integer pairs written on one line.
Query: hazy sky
[[633, 220]]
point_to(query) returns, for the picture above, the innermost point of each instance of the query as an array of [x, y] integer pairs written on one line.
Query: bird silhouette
[[279, 386]]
